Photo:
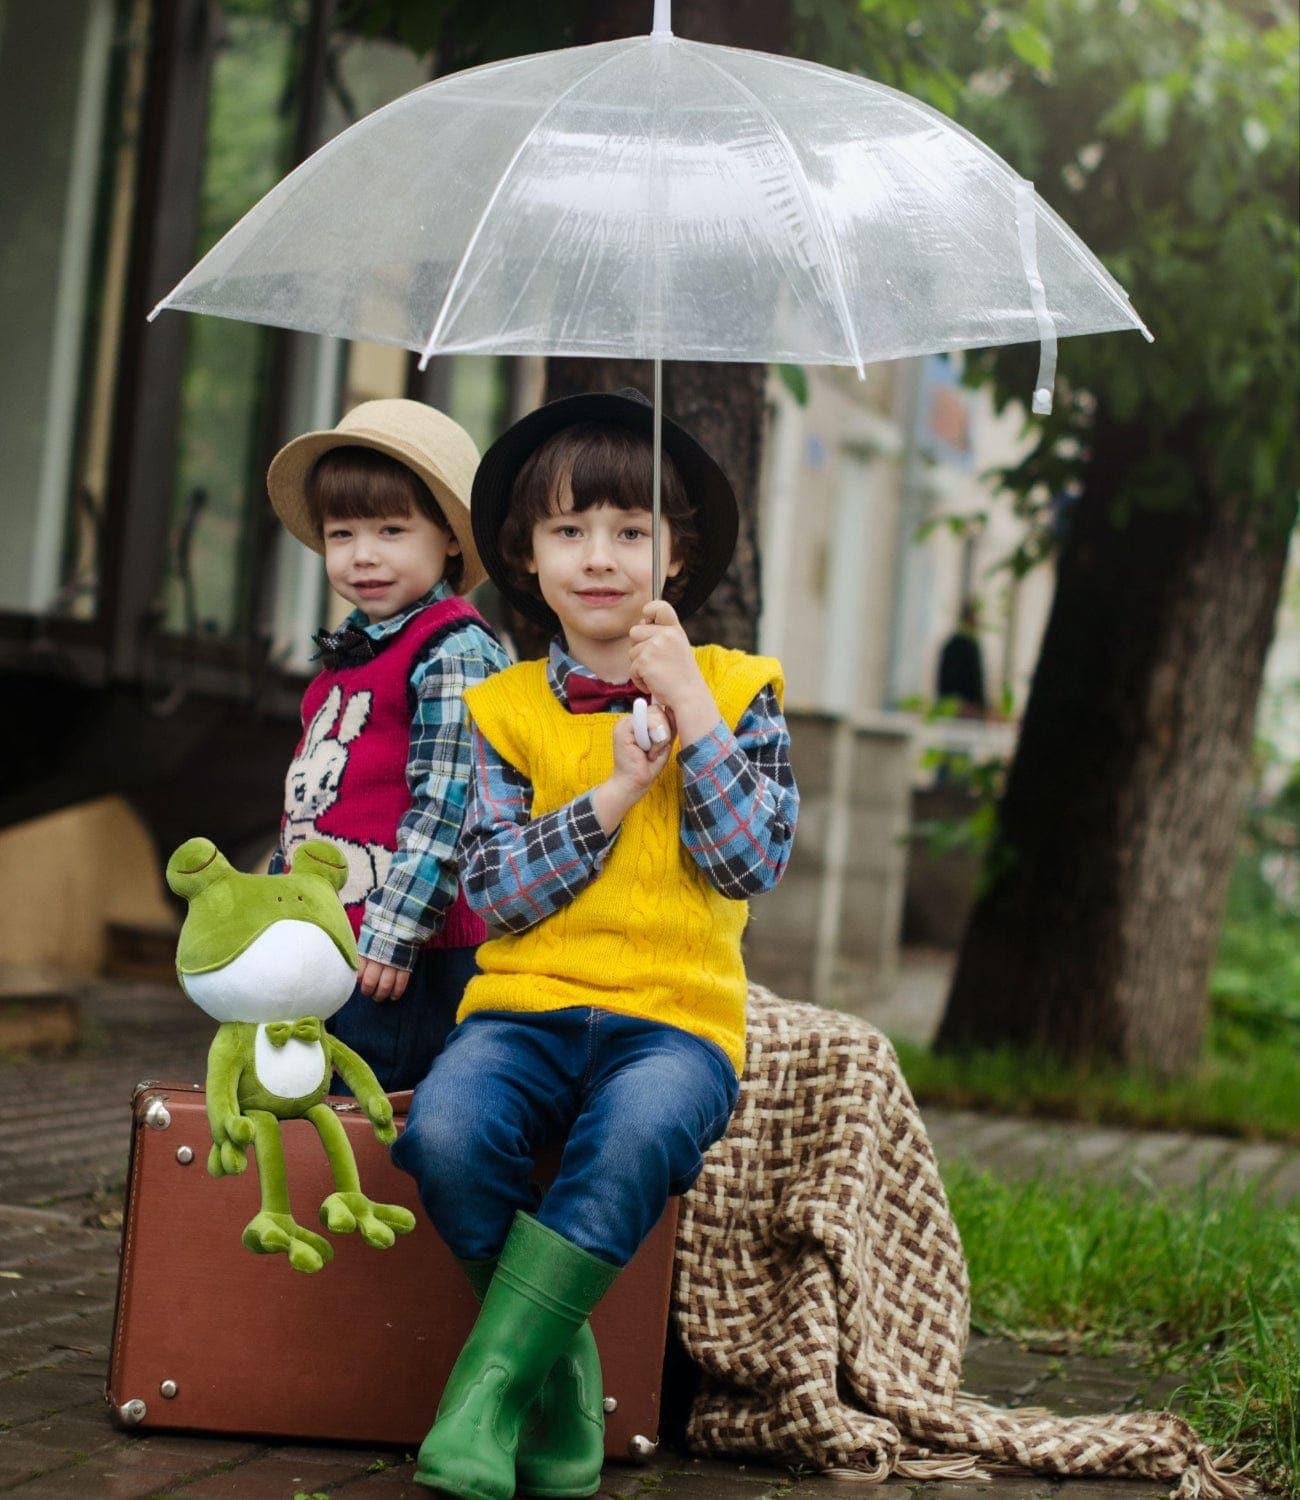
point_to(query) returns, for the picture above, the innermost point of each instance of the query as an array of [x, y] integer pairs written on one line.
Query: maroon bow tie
[[589, 695]]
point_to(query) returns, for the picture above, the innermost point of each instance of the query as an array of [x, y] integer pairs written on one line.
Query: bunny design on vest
[[312, 787], [348, 781]]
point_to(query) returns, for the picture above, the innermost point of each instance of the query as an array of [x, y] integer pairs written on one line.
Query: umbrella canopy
[[662, 199]]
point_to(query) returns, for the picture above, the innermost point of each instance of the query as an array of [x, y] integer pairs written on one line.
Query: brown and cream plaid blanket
[[821, 1288]]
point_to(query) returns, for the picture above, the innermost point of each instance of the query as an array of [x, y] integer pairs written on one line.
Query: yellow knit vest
[[649, 936]]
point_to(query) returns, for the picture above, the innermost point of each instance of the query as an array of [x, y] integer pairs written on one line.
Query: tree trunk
[[1097, 930], [722, 405]]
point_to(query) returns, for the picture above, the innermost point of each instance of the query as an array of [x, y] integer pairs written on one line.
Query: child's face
[[386, 563], [594, 566]]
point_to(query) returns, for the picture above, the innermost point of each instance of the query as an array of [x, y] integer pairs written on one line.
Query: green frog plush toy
[[269, 957]]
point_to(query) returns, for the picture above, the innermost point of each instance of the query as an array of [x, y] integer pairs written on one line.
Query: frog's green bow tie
[[309, 1029]]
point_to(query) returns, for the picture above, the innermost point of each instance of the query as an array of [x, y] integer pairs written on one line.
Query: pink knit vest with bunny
[[348, 782]]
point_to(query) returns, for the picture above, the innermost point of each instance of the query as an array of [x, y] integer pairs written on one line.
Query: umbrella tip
[[663, 22]]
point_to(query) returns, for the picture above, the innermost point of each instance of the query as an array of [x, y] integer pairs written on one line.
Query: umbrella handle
[[640, 728]]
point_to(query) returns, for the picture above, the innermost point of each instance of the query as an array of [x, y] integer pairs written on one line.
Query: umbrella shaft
[[656, 572]]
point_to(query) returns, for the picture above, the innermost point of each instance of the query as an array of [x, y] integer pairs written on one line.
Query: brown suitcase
[[212, 1338]]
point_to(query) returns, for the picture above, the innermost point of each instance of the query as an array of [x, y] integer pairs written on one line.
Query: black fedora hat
[[707, 487]]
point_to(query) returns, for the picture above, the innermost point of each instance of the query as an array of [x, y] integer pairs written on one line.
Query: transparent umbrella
[[661, 199]]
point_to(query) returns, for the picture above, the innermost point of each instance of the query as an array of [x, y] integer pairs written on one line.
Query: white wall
[[1279, 709], [857, 604]]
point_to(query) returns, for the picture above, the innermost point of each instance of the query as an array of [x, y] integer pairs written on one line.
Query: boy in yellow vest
[[610, 1013]]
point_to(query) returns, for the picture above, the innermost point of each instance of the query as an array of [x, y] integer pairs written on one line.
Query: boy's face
[[384, 564], [594, 567]]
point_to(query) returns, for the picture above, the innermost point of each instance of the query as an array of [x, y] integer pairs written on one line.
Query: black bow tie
[[348, 646]]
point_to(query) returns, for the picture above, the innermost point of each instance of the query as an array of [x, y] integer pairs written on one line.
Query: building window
[[72, 80], [252, 119], [327, 376]]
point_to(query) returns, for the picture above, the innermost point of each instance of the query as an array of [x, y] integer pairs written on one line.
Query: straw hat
[[428, 442]]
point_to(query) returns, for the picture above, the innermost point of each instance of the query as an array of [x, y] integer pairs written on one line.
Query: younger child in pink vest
[[383, 764]]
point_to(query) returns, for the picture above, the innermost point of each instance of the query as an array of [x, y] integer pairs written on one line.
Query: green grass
[[1255, 987], [1250, 1090], [1248, 1083], [1205, 1284]]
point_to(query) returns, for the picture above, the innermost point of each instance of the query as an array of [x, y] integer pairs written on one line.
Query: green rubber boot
[[541, 1294], [562, 1442]]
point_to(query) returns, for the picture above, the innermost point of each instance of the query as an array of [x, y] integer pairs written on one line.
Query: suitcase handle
[[399, 1098]]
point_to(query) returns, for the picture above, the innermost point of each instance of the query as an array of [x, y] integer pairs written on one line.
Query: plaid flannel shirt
[[741, 805], [403, 913]]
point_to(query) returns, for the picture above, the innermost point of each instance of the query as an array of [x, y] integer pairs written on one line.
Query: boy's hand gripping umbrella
[[659, 199]]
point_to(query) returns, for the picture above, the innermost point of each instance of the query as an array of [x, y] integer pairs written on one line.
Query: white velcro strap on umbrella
[[1026, 227]]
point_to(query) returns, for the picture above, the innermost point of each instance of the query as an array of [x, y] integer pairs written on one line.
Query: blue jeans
[[401, 1038], [637, 1103]]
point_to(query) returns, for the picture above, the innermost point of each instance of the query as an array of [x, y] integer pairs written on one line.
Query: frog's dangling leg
[[273, 1229], [349, 1208]]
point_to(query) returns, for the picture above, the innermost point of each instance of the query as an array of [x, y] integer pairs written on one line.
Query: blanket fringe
[[1211, 1479], [860, 1473], [971, 1405], [1207, 1478], [950, 1466]]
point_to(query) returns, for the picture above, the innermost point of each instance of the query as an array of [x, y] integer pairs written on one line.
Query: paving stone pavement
[[1141, 1159], [64, 1131]]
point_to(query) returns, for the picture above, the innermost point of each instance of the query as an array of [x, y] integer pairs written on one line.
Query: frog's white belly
[[289, 1071]]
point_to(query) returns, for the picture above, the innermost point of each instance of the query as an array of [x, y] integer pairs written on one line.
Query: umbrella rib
[[827, 236], [496, 193], [301, 175], [1007, 175]]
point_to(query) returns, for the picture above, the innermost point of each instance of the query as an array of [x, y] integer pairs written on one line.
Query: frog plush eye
[[194, 866], [318, 857]]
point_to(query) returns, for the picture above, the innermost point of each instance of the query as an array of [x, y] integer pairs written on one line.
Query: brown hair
[[603, 464], [352, 483]]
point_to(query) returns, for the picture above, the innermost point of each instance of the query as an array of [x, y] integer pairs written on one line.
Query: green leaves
[[1255, 134], [1192, 205], [795, 379], [1157, 109], [1031, 46]]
